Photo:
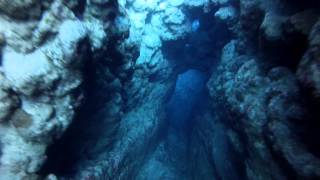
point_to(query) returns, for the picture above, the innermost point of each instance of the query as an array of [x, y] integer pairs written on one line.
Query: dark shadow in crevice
[[299, 5], [65, 152], [201, 47], [286, 53], [92, 131], [194, 58], [237, 151], [80, 8], [283, 163], [310, 125]]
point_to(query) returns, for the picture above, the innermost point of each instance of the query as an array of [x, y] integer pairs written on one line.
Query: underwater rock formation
[[43, 52], [85, 87], [265, 95], [308, 68]]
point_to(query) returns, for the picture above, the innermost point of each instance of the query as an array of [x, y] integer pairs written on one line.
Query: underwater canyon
[[159, 89]]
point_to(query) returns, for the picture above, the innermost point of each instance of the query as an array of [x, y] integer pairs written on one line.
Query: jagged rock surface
[[43, 49], [267, 113], [99, 68]]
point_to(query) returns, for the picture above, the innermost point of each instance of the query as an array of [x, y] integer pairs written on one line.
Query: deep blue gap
[[194, 58], [188, 100]]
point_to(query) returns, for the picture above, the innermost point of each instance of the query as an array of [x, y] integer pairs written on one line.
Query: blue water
[[188, 94]]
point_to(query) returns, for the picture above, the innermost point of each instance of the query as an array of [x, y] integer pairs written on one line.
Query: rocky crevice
[[95, 76]]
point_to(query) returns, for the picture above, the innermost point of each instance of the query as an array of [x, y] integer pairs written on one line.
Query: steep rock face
[[269, 109], [267, 116], [143, 92], [43, 50], [126, 93]]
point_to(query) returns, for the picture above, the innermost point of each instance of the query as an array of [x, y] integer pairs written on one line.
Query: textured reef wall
[[265, 80], [42, 49], [84, 86]]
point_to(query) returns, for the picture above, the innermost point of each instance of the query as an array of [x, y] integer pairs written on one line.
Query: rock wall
[[262, 82], [127, 86], [91, 78], [45, 48], [40, 75], [144, 93]]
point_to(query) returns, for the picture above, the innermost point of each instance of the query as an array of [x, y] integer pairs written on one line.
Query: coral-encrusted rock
[[51, 177], [248, 20], [176, 2], [33, 122], [8, 101], [227, 14], [38, 71], [195, 3], [265, 101], [21, 119], [26, 36], [7, 105], [100, 1], [151, 39], [21, 9], [41, 66], [2, 41], [302, 22], [309, 68], [303, 162], [272, 26]]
